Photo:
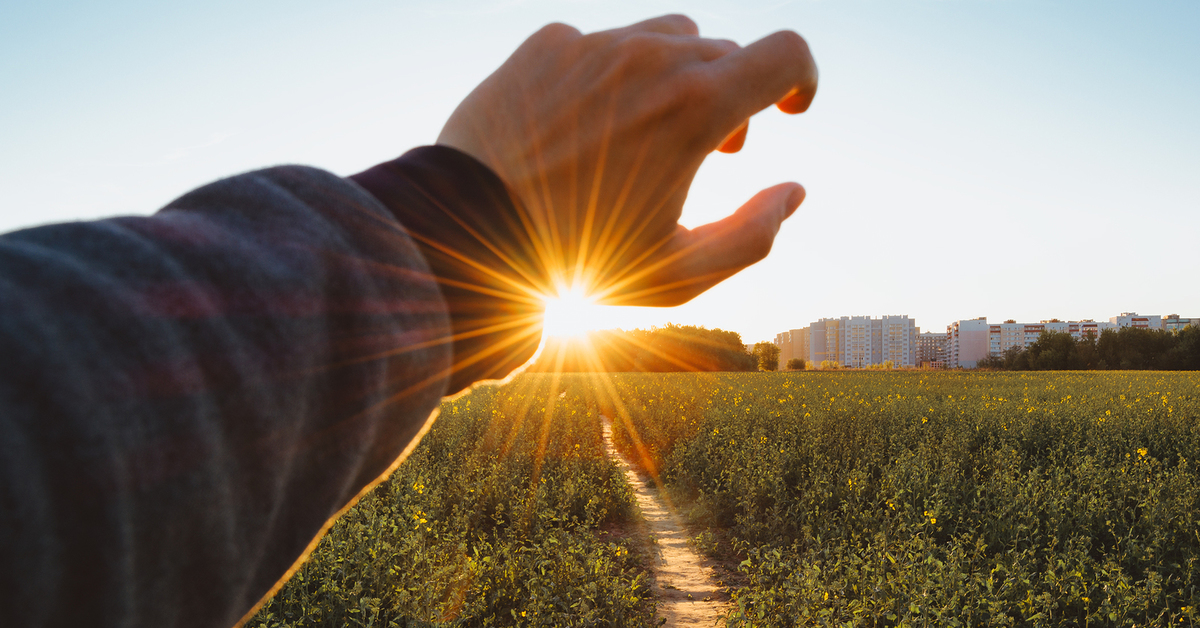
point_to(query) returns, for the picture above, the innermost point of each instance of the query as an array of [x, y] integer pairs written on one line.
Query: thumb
[[695, 260], [746, 236]]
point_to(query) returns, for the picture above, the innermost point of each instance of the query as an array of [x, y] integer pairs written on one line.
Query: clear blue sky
[[1000, 158]]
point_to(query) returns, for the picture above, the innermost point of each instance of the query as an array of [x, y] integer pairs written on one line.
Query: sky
[[1002, 158]]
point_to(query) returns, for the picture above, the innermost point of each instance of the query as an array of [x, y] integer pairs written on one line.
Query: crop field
[[846, 498]]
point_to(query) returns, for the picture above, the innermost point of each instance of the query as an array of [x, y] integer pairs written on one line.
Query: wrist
[[470, 229]]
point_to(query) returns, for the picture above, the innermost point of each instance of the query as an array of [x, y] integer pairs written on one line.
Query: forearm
[[186, 399]]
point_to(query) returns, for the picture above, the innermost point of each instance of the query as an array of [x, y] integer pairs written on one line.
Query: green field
[[851, 498]]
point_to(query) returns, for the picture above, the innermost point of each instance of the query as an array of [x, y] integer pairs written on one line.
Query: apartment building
[[931, 349], [1133, 319], [824, 341], [1173, 322], [1009, 334], [855, 341], [967, 342], [860, 341], [792, 344]]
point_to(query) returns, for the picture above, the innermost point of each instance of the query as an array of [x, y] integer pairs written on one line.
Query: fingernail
[[794, 199]]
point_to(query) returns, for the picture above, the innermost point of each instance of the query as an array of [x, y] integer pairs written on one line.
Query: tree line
[[671, 348], [1129, 348]]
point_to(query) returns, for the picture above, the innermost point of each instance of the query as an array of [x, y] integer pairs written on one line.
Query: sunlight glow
[[572, 313]]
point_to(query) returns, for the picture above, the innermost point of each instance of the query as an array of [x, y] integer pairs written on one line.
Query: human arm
[[187, 399]]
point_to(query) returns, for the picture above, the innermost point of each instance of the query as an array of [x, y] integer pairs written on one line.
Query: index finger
[[777, 69]]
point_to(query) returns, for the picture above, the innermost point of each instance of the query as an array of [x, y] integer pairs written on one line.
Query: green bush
[[498, 518], [939, 499]]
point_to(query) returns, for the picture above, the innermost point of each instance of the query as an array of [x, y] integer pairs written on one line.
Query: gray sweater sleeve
[[187, 398]]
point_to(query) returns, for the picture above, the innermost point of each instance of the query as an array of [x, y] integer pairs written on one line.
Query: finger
[[795, 102], [713, 49], [778, 68], [736, 140], [674, 24], [553, 33], [697, 48], [699, 259]]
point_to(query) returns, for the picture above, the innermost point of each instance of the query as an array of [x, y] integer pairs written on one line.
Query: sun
[[572, 314]]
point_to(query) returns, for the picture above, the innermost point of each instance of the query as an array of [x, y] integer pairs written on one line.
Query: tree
[[1088, 352], [1053, 351], [1014, 358], [1134, 348], [990, 362], [689, 348], [1123, 349], [767, 354], [670, 348], [795, 364]]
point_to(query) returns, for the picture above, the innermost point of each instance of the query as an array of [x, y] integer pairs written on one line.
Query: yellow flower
[[1142, 451]]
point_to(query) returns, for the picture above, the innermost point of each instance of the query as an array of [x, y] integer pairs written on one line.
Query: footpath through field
[[687, 592]]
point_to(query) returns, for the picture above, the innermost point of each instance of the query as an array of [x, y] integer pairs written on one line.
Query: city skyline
[[860, 341], [999, 159]]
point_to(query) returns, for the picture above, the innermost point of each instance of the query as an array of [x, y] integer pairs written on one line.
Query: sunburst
[[571, 313]]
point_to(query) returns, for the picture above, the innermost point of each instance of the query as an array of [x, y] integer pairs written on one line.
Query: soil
[[684, 583]]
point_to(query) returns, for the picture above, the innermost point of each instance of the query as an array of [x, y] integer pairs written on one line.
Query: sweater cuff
[[470, 229]]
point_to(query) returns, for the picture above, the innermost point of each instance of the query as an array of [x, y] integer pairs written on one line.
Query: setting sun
[[572, 314]]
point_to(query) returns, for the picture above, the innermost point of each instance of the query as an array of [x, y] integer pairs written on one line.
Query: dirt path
[[687, 592]]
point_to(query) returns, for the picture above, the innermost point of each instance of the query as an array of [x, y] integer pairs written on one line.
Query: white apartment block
[[1009, 334], [1133, 319], [972, 340], [858, 341]]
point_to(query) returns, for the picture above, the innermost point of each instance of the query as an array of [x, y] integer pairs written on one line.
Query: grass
[[872, 499]]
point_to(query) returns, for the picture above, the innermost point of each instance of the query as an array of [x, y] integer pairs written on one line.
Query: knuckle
[[639, 47], [726, 45], [793, 44], [796, 49], [642, 54], [683, 23], [557, 32], [695, 87], [759, 245], [759, 236]]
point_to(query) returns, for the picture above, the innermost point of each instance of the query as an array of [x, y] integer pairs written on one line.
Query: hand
[[600, 136]]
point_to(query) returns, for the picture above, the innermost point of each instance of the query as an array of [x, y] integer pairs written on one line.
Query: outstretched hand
[[600, 136]]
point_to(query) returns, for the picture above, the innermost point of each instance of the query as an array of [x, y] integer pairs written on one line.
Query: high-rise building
[[931, 349], [855, 341], [967, 342], [792, 344]]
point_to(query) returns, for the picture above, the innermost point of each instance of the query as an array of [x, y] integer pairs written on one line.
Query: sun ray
[[571, 313]]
